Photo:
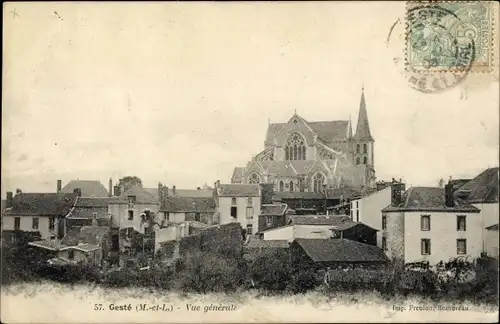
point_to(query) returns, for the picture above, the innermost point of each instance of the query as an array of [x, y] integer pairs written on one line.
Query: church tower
[[363, 141]]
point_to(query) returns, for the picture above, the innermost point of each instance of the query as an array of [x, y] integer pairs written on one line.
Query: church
[[305, 156]]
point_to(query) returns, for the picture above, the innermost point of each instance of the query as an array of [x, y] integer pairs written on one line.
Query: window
[[234, 212], [352, 214], [249, 229], [52, 237], [318, 181], [35, 223], [461, 222], [71, 254], [254, 178], [365, 149], [281, 185], [167, 216], [130, 215], [249, 201], [425, 222], [384, 243], [269, 220], [357, 215], [425, 246], [357, 160], [197, 217], [357, 204], [233, 201], [461, 246], [357, 148], [249, 213], [17, 223], [291, 185], [365, 160], [295, 148], [384, 222], [52, 223], [131, 199]]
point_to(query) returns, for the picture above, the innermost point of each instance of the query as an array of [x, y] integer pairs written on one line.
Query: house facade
[[428, 225], [238, 203]]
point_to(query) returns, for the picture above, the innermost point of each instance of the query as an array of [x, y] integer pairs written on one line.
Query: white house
[[238, 203], [425, 224]]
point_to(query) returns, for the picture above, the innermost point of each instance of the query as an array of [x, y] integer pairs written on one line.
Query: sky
[[183, 92]]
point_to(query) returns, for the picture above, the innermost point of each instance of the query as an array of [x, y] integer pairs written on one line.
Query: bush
[[271, 270], [303, 280]]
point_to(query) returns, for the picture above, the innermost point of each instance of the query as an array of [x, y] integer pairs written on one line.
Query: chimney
[[78, 191], [110, 191], [94, 219], [173, 190], [117, 191], [198, 188], [10, 199], [448, 195], [165, 191], [160, 192], [59, 185], [396, 193]]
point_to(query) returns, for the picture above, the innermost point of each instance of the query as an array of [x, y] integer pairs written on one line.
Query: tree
[[129, 182]]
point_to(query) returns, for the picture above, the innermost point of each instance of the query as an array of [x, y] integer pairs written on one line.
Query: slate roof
[[326, 130], [334, 220], [188, 204], [142, 196], [90, 188], [430, 199], [299, 195], [273, 209], [42, 204], [363, 126], [341, 250], [483, 188], [493, 227], [239, 190], [258, 244], [86, 235], [208, 192], [86, 207]]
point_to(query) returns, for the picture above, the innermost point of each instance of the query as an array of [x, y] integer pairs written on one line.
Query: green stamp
[[449, 37]]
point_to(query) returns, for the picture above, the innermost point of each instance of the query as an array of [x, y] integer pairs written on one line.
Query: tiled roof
[[182, 192], [326, 130], [142, 196], [239, 190], [334, 220], [42, 204], [273, 209], [255, 243], [428, 199], [188, 204], [483, 188], [341, 250], [86, 234], [492, 227], [90, 188]]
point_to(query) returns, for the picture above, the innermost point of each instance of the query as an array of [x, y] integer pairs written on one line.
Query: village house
[[86, 211], [88, 188], [427, 224], [238, 203], [491, 241], [321, 227], [29, 216], [177, 210]]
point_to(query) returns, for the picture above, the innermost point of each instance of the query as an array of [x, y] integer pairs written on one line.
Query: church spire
[[363, 127], [349, 128]]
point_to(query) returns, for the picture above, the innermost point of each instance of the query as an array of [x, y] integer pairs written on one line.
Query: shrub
[[271, 270], [303, 280]]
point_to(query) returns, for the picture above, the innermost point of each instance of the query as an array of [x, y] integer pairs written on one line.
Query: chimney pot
[[117, 192], [173, 190], [10, 199], [198, 188], [59, 185], [110, 189]]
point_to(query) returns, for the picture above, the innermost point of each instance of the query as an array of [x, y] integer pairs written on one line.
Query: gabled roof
[[326, 130], [481, 189], [142, 196], [363, 127], [273, 209], [493, 227], [431, 199], [341, 250], [188, 204], [239, 190], [42, 204], [334, 220], [90, 188]]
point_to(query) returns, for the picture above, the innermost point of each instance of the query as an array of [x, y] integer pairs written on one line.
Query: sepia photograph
[[250, 162]]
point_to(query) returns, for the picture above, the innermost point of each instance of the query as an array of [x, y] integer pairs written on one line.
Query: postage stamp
[[449, 36]]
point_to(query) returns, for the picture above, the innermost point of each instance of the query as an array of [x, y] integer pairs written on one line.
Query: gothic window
[[281, 185], [357, 160], [365, 150], [357, 148], [295, 148], [254, 178], [365, 160], [318, 181], [291, 185]]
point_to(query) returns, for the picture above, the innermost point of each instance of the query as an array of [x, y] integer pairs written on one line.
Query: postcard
[[250, 162]]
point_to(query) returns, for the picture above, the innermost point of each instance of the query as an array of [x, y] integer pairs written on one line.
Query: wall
[[491, 243], [370, 210], [93, 257], [26, 224], [489, 216], [394, 234], [119, 214], [241, 204], [443, 236], [312, 231], [276, 221], [282, 233]]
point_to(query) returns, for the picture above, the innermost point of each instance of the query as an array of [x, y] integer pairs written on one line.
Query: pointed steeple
[[363, 127], [349, 128]]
